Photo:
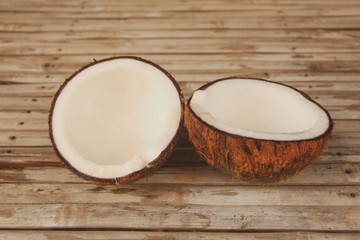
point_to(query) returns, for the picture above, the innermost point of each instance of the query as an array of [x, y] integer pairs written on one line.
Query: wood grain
[[341, 174], [183, 195], [311, 45], [174, 217], [146, 235]]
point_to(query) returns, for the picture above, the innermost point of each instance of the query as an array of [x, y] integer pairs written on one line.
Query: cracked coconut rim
[[259, 109], [115, 117]]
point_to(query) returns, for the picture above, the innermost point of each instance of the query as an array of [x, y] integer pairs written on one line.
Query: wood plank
[[173, 217], [170, 46], [65, 65], [341, 174], [183, 76], [324, 22], [226, 19], [279, 34], [35, 136], [181, 195], [180, 156], [141, 13], [25, 103], [38, 121], [343, 99], [16, 89], [41, 138], [147, 235], [86, 6]]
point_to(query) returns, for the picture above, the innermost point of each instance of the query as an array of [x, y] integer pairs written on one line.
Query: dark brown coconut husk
[[152, 166], [250, 159]]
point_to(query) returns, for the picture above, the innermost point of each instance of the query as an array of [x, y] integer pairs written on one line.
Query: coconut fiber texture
[[253, 160]]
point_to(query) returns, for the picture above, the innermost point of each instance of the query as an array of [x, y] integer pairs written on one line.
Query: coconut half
[[116, 120], [256, 130]]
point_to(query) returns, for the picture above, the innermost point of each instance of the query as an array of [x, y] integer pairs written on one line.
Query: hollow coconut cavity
[[257, 130], [116, 120]]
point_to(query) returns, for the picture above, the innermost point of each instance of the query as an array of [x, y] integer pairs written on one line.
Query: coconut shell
[[250, 159], [142, 173]]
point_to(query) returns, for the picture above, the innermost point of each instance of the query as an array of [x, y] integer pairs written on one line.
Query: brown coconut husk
[[250, 159]]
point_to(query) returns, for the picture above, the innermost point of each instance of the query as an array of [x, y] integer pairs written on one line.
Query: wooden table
[[312, 45]]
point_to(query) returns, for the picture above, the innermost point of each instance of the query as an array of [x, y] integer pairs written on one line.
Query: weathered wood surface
[[311, 45], [141, 235]]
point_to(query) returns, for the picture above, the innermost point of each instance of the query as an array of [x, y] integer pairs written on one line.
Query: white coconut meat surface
[[259, 109], [115, 117]]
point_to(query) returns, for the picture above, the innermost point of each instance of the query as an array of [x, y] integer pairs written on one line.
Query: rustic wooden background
[[312, 45]]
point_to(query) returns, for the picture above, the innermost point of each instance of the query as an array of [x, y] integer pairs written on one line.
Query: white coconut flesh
[[259, 109], [115, 117]]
